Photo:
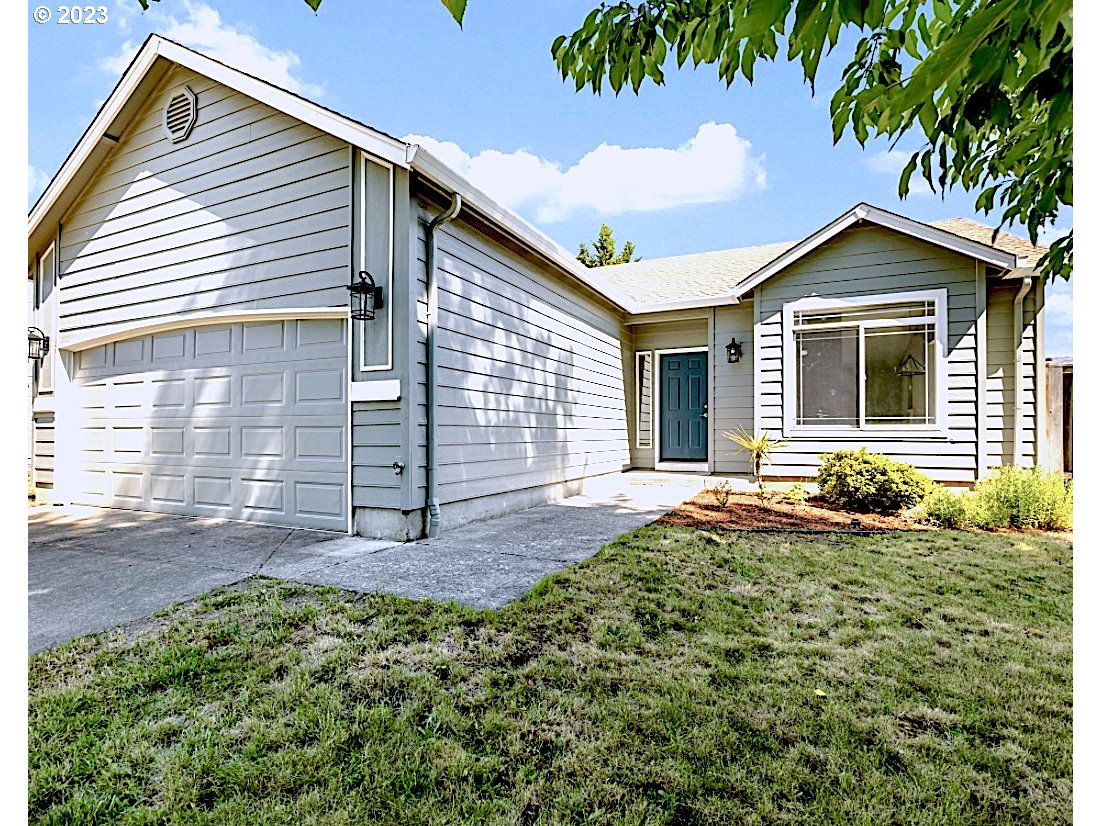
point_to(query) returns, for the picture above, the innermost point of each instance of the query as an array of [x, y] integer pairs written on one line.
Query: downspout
[[1018, 365], [433, 500]]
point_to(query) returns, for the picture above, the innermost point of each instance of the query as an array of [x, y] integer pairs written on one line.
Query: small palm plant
[[759, 448]]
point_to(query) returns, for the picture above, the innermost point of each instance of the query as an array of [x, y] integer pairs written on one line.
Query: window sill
[[867, 434]]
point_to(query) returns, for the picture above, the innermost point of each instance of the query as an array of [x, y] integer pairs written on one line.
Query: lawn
[[681, 676]]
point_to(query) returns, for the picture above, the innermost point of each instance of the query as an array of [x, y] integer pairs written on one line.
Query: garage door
[[244, 421]]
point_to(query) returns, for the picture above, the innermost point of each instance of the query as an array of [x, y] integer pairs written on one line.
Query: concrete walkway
[[93, 569]]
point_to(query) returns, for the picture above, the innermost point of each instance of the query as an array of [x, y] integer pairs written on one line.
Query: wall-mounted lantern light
[[38, 343], [366, 297], [733, 352], [908, 368]]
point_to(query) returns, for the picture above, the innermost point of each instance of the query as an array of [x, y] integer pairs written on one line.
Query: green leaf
[[907, 173], [760, 16], [456, 7]]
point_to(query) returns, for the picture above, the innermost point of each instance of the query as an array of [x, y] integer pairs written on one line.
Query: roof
[[700, 280], [153, 61], [966, 228], [724, 277], [703, 275]]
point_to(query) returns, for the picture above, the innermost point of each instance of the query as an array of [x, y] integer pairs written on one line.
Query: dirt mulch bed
[[746, 511]]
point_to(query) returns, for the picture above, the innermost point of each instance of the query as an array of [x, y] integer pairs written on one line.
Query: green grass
[[679, 677]]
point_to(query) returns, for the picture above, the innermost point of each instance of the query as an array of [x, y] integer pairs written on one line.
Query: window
[[644, 400], [873, 364]]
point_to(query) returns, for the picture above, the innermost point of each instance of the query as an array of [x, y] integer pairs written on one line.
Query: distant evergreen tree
[[604, 252]]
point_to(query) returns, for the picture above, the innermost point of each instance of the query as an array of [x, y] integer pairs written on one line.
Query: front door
[[683, 407]]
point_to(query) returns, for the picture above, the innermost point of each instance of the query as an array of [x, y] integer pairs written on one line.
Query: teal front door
[[683, 407]]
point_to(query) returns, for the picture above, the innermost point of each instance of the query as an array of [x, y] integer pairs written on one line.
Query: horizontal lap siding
[[251, 211], [733, 391], [1000, 361], [530, 385], [660, 335], [44, 450], [869, 260], [376, 445]]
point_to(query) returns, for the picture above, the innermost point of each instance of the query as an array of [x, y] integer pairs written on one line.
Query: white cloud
[[36, 182], [715, 165], [888, 161], [204, 30]]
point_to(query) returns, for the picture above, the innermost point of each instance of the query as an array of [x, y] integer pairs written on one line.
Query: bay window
[[869, 364]]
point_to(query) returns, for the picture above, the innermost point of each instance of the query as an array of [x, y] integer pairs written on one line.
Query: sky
[[687, 167]]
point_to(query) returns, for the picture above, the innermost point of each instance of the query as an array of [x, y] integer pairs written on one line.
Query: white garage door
[[245, 421]]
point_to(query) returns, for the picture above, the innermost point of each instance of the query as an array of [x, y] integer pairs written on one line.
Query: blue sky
[[687, 167]]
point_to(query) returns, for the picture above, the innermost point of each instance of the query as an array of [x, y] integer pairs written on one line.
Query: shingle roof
[[685, 277], [707, 275], [975, 231]]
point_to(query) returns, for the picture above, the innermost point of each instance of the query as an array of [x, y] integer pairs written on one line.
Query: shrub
[[945, 509], [870, 482], [797, 494], [721, 493], [1027, 498]]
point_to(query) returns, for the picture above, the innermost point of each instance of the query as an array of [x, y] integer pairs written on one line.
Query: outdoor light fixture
[[366, 297], [38, 343], [733, 352], [908, 368]]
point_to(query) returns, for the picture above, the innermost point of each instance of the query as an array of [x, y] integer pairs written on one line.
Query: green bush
[[797, 494], [870, 482], [945, 509], [1027, 498]]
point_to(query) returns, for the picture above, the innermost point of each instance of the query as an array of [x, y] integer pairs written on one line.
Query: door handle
[[704, 414]]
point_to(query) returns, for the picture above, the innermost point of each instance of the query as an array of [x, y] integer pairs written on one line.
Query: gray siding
[[530, 381], [1000, 376], [660, 335], [252, 211], [733, 386], [44, 438], [376, 445], [869, 260]]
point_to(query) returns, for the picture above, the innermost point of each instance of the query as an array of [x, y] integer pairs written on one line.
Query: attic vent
[[180, 114]]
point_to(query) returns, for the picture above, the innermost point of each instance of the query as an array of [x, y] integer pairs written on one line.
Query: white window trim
[[43, 309], [639, 356], [939, 429], [388, 291], [655, 383]]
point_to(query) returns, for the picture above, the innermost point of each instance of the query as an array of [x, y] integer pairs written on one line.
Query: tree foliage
[[604, 252], [987, 83]]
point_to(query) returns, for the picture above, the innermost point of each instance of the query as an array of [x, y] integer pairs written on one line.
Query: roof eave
[[687, 304], [369, 140], [888, 220]]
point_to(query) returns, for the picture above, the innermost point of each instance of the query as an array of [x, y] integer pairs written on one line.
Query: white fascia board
[[95, 132], [422, 161], [367, 139], [83, 339], [942, 238], [688, 304], [888, 220]]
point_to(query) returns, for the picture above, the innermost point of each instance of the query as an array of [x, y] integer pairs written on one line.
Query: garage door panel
[[215, 346], [263, 442]]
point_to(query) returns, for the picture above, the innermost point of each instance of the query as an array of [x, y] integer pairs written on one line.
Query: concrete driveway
[[92, 569]]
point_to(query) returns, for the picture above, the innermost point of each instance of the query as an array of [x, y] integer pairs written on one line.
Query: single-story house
[[260, 309]]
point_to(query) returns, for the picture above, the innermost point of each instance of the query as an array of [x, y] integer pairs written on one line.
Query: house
[[260, 309]]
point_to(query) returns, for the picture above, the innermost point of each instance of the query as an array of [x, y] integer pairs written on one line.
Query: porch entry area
[[683, 406]]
